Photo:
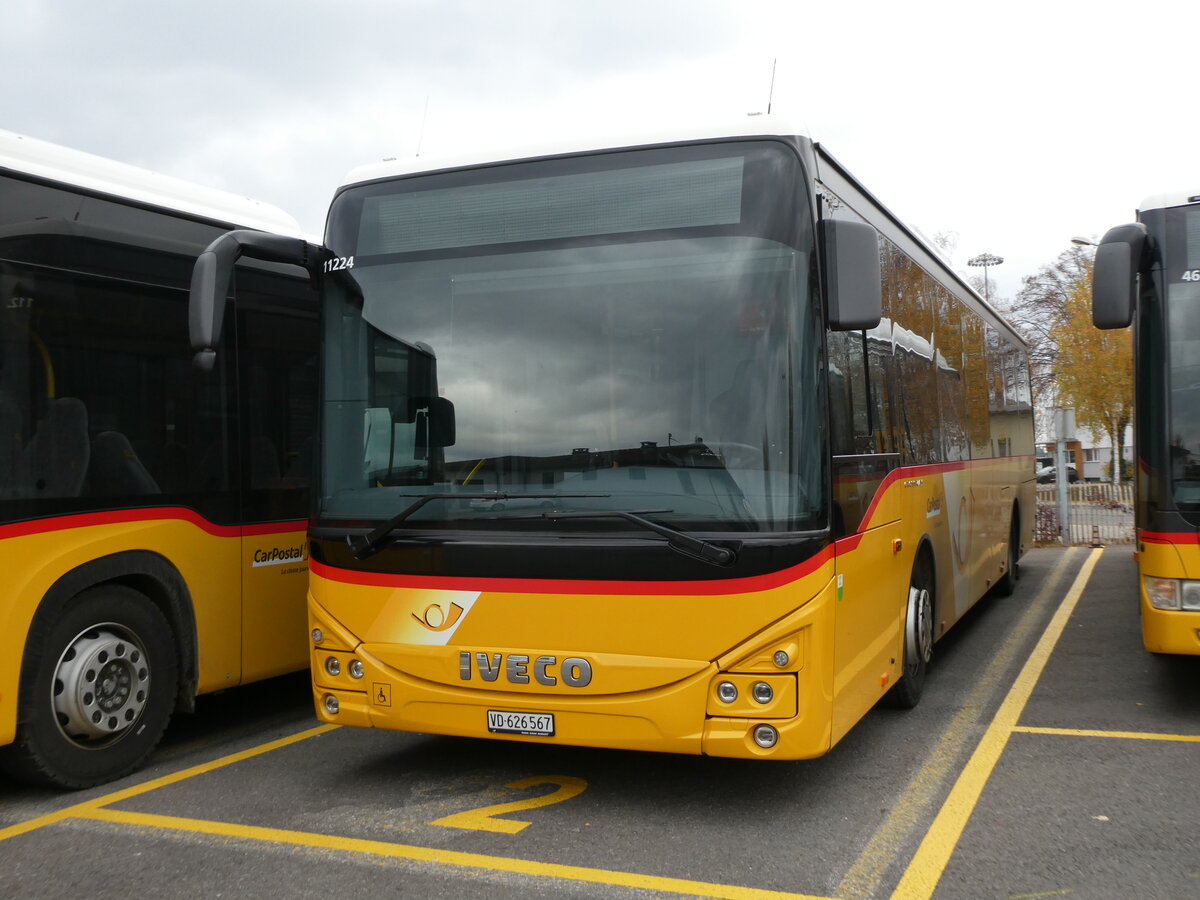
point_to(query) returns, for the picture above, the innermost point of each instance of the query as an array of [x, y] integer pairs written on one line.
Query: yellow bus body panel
[[636, 699], [274, 587], [1168, 630]]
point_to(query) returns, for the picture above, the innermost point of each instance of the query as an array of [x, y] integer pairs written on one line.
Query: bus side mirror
[[206, 303], [853, 284], [1114, 278], [213, 272]]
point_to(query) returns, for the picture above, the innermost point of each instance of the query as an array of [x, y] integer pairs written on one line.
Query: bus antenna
[[424, 119], [771, 92]]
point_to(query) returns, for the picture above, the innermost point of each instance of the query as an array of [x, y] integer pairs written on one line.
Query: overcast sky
[[1014, 125]]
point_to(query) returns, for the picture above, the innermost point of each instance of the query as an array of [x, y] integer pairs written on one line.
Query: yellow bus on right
[[1148, 273]]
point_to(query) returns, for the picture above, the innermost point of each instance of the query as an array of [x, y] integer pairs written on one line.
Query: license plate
[[501, 722]]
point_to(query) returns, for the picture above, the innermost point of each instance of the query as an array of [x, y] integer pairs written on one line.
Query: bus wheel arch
[[106, 662], [920, 614]]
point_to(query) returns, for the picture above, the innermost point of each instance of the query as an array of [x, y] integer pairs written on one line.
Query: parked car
[[1048, 474]]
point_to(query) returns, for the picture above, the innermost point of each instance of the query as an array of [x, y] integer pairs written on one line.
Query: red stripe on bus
[[907, 472], [847, 544], [562, 586], [1169, 537], [145, 514]]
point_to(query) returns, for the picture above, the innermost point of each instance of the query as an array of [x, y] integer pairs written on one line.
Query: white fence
[[1097, 514]]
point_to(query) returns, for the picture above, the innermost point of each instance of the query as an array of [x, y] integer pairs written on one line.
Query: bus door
[[869, 604], [277, 343]]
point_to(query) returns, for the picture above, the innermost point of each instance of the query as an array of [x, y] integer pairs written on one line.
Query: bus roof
[[746, 126], [1168, 199], [96, 174]]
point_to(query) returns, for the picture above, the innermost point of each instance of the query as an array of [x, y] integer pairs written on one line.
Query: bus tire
[[1008, 581], [918, 637], [98, 686]]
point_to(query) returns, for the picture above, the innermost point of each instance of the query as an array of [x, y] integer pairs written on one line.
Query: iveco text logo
[[573, 671]]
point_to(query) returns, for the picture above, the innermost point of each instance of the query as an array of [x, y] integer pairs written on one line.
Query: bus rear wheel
[[97, 689], [918, 638]]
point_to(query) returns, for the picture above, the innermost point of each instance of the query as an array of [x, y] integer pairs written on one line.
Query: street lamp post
[[985, 260]]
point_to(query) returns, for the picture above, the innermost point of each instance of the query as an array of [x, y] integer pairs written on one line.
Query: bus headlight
[[333, 666], [727, 692], [763, 692], [1172, 593], [355, 668], [1163, 593]]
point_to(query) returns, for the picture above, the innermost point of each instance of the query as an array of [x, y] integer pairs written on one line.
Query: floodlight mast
[[985, 260]]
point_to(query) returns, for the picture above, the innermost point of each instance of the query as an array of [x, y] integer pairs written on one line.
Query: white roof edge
[[745, 126], [1168, 199], [53, 162]]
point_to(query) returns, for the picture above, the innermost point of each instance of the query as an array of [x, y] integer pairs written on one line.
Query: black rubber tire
[[918, 637], [1008, 581], [111, 636]]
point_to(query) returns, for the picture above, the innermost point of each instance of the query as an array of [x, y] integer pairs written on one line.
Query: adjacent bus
[[151, 517], [683, 444], [1148, 273]]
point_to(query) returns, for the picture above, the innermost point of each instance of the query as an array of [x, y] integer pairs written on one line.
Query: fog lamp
[[333, 665], [763, 692], [765, 736], [331, 704], [356, 668], [727, 692]]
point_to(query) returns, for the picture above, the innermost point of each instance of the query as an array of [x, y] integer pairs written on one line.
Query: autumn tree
[[1072, 362]]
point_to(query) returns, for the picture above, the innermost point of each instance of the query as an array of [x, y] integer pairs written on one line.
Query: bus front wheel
[[97, 689], [1008, 581], [918, 637]]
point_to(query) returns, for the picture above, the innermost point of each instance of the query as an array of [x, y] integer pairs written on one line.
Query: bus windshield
[[630, 333], [1182, 276]]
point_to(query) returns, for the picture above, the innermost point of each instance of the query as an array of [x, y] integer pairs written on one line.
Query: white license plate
[[501, 722]]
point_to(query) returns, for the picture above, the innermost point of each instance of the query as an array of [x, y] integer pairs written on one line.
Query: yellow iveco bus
[[683, 444], [151, 517], [1148, 272]]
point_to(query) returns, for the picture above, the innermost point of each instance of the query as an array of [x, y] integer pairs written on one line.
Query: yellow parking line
[[445, 857], [96, 810], [82, 810], [1124, 735], [863, 877], [927, 865]]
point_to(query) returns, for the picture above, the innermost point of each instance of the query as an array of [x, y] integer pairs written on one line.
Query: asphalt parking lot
[[1051, 756]]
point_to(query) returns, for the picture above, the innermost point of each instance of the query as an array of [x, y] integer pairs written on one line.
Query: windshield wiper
[[362, 546], [688, 545]]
